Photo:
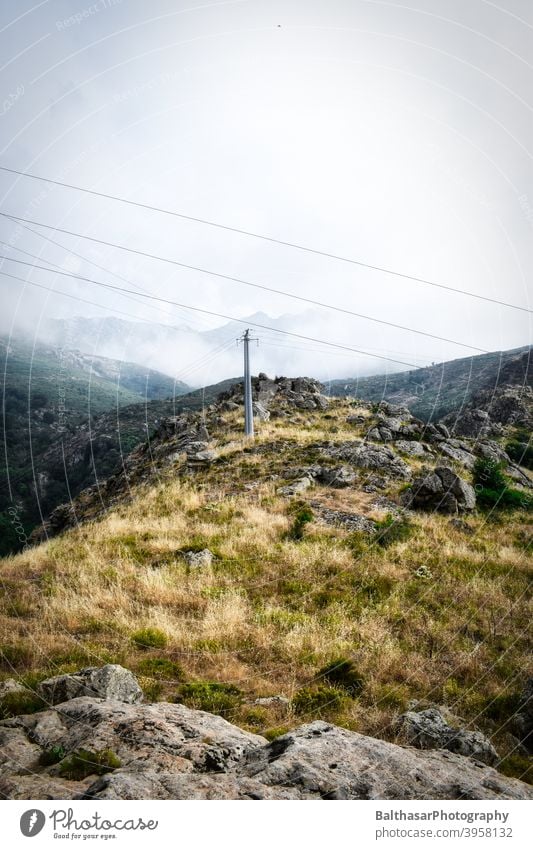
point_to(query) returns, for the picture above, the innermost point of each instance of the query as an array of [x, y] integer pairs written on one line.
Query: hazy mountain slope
[[433, 392], [48, 394]]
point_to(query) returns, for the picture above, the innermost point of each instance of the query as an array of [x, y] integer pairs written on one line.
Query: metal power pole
[[248, 409]]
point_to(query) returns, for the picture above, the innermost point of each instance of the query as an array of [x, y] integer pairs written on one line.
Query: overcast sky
[[397, 134]]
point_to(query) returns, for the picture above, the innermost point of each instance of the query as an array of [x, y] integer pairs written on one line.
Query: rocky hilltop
[[388, 444], [352, 566], [97, 740]]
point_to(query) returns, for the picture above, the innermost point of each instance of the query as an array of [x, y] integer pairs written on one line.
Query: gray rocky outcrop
[[441, 490], [428, 729], [168, 751], [458, 451], [106, 682], [365, 455], [199, 559]]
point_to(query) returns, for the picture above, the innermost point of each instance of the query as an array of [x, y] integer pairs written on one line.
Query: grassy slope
[[442, 616]]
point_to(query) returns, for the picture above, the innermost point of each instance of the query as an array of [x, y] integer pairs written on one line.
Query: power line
[[79, 256], [252, 285], [213, 313], [84, 300], [265, 238]]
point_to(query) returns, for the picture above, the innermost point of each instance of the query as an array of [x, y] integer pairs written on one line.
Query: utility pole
[[248, 408]]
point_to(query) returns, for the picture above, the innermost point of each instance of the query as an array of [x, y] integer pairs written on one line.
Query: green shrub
[[343, 674], [83, 763], [149, 638], [506, 499], [161, 667], [489, 474], [18, 703], [391, 530], [520, 452], [493, 490], [318, 700], [52, 755], [301, 519], [210, 696]]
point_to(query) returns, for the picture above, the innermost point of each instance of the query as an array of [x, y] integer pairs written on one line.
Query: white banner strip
[[263, 825]]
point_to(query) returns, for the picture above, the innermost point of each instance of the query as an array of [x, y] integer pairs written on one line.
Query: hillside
[[433, 392], [49, 396], [340, 567]]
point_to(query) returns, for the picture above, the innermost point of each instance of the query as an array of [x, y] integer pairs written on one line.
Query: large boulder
[[428, 729], [441, 490], [107, 682]]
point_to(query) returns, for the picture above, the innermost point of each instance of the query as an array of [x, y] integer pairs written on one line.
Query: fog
[[400, 137]]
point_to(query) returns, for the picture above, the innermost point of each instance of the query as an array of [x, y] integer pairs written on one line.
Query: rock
[[461, 525], [106, 682], [412, 449], [168, 751], [11, 686], [273, 701], [441, 490], [348, 521], [428, 729], [394, 423], [260, 411], [296, 487], [337, 478], [199, 559], [355, 419], [458, 454], [327, 762], [366, 456], [492, 451]]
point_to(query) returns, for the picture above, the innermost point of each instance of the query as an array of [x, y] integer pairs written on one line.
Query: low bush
[[20, 702], [211, 696], [83, 763], [393, 529], [343, 674], [493, 490], [161, 667], [318, 700], [149, 638], [52, 755], [520, 452], [302, 518]]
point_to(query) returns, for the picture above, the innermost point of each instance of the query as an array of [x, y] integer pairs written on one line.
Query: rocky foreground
[[116, 747]]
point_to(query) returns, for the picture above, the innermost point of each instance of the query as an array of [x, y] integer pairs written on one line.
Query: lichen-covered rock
[[428, 729], [107, 682], [168, 751], [199, 559], [441, 490], [327, 762], [365, 455]]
